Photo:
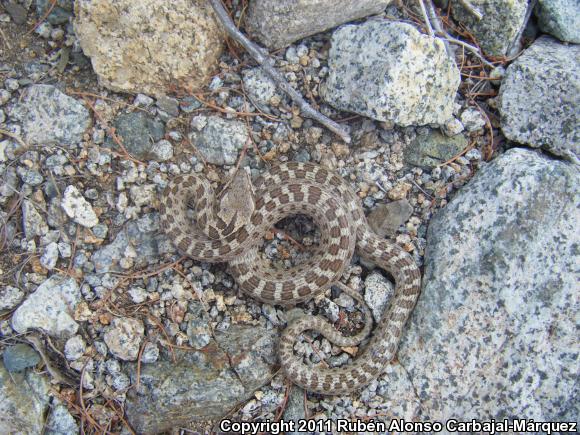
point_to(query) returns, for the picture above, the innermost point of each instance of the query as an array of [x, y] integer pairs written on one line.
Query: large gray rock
[[50, 117], [138, 133], [560, 18], [495, 330], [50, 308], [217, 139], [501, 24], [23, 402], [277, 23], [201, 385], [149, 46], [540, 98], [389, 71]]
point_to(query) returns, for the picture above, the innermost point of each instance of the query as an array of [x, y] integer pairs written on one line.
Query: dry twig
[[261, 56]]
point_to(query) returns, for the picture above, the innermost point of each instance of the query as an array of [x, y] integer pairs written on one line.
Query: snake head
[[235, 204]]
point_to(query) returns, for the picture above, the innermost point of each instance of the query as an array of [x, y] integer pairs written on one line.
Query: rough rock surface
[[386, 219], [434, 148], [123, 337], [19, 357], [502, 22], [138, 133], [217, 139], [78, 208], [49, 308], [540, 98], [201, 384], [10, 297], [277, 23], [23, 402], [560, 18], [500, 296], [49, 116], [388, 71], [59, 14], [149, 46]]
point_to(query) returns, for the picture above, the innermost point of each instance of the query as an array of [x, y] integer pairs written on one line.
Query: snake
[[230, 227]]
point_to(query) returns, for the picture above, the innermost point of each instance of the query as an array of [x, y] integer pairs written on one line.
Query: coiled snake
[[231, 227]]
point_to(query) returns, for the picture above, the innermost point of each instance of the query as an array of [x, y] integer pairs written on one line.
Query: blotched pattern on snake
[[230, 228]]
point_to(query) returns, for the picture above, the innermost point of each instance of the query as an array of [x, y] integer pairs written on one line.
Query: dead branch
[[261, 56], [471, 9]]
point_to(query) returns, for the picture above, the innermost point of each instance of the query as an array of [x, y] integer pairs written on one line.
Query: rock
[[472, 119], [378, 292], [24, 402], [138, 133], [142, 236], [150, 353], [201, 385], [49, 308], [60, 421], [50, 117], [78, 208], [124, 337], [494, 332], [168, 105], [277, 23], [150, 47], [434, 148], [17, 12], [198, 331], [389, 71], [74, 348], [497, 31], [59, 14], [10, 297], [295, 409], [540, 98], [386, 219], [220, 140], [259, 87], [559, 18], [162, 150], [49, 256], [19, 357]]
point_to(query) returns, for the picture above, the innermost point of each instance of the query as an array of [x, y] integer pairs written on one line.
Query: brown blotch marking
[[330, 214], [335, 181], [257, 219], [202, 203], [342, 378], [314, 192], [213, 233], [300, 173], [299, 196], [343, 222], [259, 203], [199, 191], [220, 223], [336, 265], [333, 249], [231, 237], [335, 232], [294, 188], [321, 176], [293, 165], [242, 269], [344, 242], [225, 249], [284, 199], [310, 276], [169, 202], [350, 383], [270, 205], [253, 282], [242, 235], [321, 281], [304, 291], [284, 177], [276, 192], [162, 208], [185, 243], [170, 219]]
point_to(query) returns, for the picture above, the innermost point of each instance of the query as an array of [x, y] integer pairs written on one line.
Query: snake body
[[288, 189]]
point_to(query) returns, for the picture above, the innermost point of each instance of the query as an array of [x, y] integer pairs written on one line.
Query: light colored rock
[[540, 98], [60, 421], [502, 22], [259, 87], [388, 71], [560, 18], [49, 308], [378, 291], [10, 297], [495, 330], [50, 117], [23, 402], [74, 348], [78, 208], [49, 256], [220, 140], [433, 148], [277, 23], [19, 357], [124, 337], [34, 224], [149, 46]]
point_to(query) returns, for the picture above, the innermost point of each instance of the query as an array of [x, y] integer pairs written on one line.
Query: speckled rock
[[50, 117], [259, 87], [201, 385], [502, 22], [389, 71], [124, 337], [10, 297], [495, 330], [378, 292], [60, 421], [277, 23], [219, 140], [78, 208], [49, 308], [59, 14], [149, 46], [560, 18], [540, 98], [24, 400], [432, 149]]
